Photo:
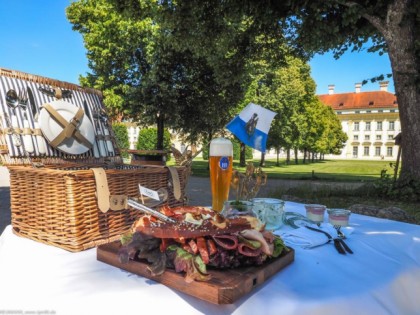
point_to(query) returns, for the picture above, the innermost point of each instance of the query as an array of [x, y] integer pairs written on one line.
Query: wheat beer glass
[[221, 152]]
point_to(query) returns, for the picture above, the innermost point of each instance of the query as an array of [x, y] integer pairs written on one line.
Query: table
[[382, 277]]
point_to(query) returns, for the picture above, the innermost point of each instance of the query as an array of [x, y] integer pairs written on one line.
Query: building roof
[[361, 100]]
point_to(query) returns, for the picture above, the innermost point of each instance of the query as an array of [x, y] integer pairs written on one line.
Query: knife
[[95, 143], [336, 241], [39, 139]]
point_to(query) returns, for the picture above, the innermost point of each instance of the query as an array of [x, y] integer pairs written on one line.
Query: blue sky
[[37, 38]]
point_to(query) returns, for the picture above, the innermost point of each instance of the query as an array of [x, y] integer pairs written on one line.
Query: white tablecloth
[[382, 277]]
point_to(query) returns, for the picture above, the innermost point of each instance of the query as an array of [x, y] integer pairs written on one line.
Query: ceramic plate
[[51, 129]]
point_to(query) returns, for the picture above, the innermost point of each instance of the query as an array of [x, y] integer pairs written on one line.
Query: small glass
[[233, 208], [338, 217], [270, 211], [315, 213]]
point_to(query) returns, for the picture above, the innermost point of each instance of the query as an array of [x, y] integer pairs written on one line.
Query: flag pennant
[[251, 126]]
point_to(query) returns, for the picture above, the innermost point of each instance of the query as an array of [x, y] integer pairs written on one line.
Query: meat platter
[[224, 287]]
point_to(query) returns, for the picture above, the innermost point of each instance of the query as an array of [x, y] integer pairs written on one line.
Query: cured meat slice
[[226, 241], [247, 250], [202, 248]]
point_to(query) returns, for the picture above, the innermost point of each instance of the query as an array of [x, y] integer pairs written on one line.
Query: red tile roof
[[361, 100]]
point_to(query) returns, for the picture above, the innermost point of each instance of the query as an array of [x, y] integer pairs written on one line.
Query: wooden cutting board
[[225, 286]]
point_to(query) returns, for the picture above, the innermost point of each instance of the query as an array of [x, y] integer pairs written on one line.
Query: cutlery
[[341, 237], [104, 118], [157, 214], [337, 243], [95, 143], [39, 139], [101, 138], [27, 137], [13, 102], [15, 137]]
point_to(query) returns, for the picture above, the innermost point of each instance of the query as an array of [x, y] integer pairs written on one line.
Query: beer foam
[[221, 147]]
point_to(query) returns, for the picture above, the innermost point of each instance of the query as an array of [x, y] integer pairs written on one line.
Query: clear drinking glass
[[338, 217], [220, 157], [315, 212], [270, 211]]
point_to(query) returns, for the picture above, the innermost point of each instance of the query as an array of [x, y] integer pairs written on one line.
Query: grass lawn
[[330, 170]]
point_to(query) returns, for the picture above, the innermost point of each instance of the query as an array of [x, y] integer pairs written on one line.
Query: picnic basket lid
[[52, 122]]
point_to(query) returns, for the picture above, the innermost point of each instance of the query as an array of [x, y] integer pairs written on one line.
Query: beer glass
[[220, 156]]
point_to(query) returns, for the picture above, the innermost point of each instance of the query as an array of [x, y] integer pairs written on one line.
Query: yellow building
[[370, 120]]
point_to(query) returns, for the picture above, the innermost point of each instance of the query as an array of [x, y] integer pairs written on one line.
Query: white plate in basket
[[51, 129]]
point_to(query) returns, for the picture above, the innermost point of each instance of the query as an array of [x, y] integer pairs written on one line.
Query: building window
[[378, 137], [390, 137], [357, 111], [389, 151], [355, 152], [356, 126], [366, 151], [379, 125], [391, 125], [339, 113], [367, 137], [368, 111], [392, 111], [367, 127], [377, 151], [355, 137], [380, 111]]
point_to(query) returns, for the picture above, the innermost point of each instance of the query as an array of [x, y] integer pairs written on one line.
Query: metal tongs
[[138, 206]]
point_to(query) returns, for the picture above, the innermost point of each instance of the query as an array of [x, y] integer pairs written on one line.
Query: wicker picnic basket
[[72, 201]]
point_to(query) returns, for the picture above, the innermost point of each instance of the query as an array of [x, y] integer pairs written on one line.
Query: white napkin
[[306, 238]]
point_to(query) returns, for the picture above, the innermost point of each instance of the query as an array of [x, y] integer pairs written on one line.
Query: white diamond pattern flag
[[251, 126]]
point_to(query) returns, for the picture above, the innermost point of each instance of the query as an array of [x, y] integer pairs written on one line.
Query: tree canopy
[[309, 27], [129, 39]]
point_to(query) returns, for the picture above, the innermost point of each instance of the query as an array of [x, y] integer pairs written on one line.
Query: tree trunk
[[408, 96], [304, 156], [160, 121], [398, 29], [296, 156], [288, 156], [242, 154], [262, 162], [278, 156]]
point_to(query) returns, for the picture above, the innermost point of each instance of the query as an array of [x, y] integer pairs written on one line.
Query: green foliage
[[405, 189], [147, 139], [121, 135], [136, 61], [237, 150], [146, 57]]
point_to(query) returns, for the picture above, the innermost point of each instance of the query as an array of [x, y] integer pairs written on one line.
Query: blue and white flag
[[251, 126]]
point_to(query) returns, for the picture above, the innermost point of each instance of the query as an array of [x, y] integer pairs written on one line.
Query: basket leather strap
[[176, 182], [69, 128], [102, 189]]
